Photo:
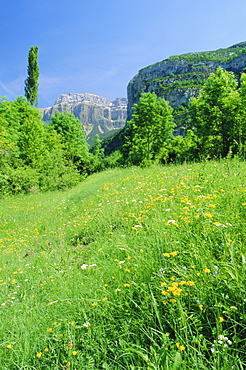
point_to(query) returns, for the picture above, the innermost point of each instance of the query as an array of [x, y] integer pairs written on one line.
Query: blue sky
[[97, 46]]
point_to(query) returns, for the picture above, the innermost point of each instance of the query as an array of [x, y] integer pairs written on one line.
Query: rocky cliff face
[[97, 114], [179, 78]]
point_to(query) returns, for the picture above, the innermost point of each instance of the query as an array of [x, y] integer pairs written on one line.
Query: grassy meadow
[[137, 268]]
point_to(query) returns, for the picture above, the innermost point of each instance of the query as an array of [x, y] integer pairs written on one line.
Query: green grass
[[131, 269]]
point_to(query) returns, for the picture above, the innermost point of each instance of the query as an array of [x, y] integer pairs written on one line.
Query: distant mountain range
[[97, 114]]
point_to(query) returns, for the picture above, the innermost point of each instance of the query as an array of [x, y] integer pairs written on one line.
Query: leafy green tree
[[149, 129], [215, 115], [242, 127], [73, 137], [31, 83]]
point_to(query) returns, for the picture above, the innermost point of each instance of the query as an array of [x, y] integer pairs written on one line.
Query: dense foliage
[[35, 156], [215, 124], [146, 134]]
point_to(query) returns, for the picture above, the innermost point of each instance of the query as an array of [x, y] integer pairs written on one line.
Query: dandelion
[[141, 250], [49, 330], [200, 307], [206, 270], [94, 304], [39, 354], [163, 284], [74, 353], [221, 319], [208, 215], [46, 349], [166, 254], [126, 285], [173, 254], [9, 346], [105, 299], [173, 300], [181, 348]]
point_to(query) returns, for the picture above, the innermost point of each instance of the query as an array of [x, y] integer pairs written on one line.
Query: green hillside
[[131, 269]]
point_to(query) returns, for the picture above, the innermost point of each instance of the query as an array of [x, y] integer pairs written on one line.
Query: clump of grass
[[132, 269]]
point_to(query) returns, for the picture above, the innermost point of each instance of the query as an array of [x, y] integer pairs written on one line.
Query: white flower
[[171, 221], [86, 324], [84, 266]]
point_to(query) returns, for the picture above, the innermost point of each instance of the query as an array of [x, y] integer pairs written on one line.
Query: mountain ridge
[[97, 114]]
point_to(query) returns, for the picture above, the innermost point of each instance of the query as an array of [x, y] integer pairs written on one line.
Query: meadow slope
[[132, 269]]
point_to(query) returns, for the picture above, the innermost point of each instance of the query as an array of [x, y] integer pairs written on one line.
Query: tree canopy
[[31, 83], [150, 127]]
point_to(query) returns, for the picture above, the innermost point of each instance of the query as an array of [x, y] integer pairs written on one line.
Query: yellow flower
[[208, 215], [71, 323], [174, 253], [201, 307], [190, 283], [141, 250], [173, 300], [126, 285], [46, 349], [212, 205], [55, 323], [166, 254], [206, 270], [8, 346], [163, 284], [49, 330], [105, 299], [181, 348], [165, 293], [221, 319], [39, 354], [74, 353], [94, 304]]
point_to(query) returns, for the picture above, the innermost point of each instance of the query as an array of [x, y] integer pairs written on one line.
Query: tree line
[[35, 155], [215, 124]]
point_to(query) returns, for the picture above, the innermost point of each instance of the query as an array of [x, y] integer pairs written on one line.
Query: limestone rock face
[[179, 78], [97, 114]]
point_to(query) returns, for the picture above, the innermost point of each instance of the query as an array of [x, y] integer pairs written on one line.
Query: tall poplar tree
[[31, 83]]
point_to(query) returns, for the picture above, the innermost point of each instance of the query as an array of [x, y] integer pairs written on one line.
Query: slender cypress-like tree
[[31, 83]]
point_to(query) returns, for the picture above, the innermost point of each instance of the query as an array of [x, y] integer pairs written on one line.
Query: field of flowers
[[131, 269]]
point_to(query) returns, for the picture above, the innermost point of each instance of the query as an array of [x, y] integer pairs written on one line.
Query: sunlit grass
[[132, 269]]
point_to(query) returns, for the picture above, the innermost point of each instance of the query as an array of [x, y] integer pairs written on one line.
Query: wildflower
[[166, 254], [71, 323], [201, 307], [221, 319], [39, 354], [173, 254], [208, 215], [46, 349], [55, 323], [49, 330], [181, 348], [126, 285], [173, 300], [141, 250], [94, 304], [86, 324], [74, 353], [164, 292], [8, 346], [206, 270], [163, 284], [105, 299], [190, 283]]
